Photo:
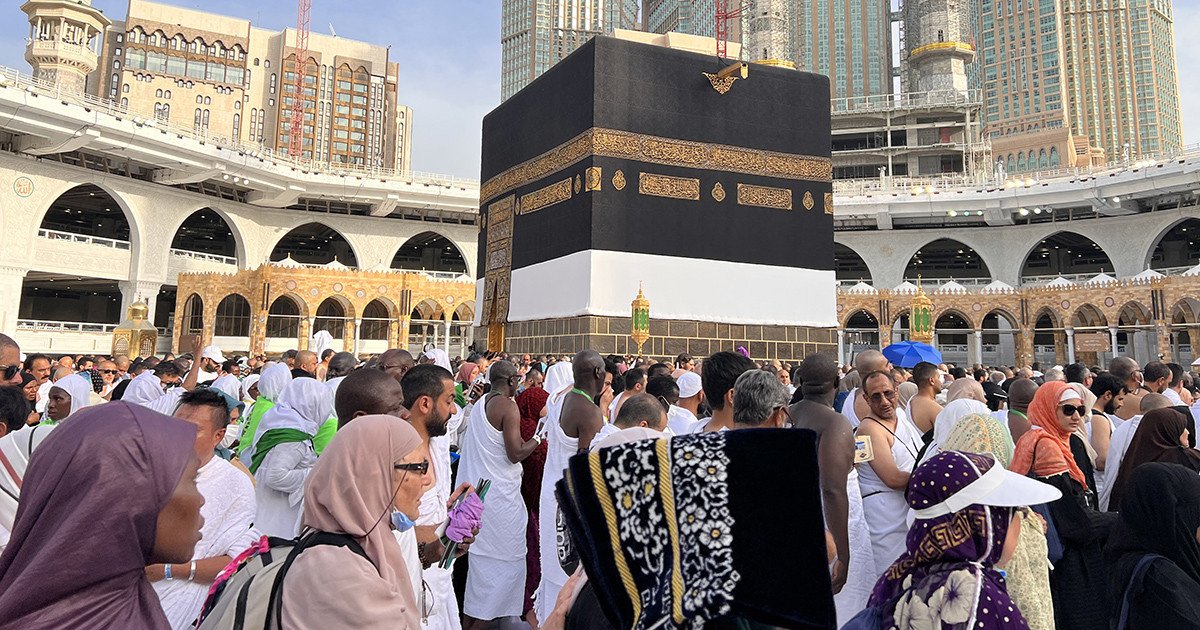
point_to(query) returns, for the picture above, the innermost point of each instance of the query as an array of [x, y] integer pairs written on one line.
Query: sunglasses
[[879, 396], [109, 372], [10, 371], [1072, 409], [420, 468]]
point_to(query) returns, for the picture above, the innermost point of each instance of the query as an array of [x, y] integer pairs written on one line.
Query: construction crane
[[724, 14], [303, 23]]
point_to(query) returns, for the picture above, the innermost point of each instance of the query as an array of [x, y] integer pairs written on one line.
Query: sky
[[449, 56]]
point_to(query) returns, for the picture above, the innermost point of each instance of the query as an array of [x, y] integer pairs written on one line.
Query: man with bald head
[[1016, 417], [10, 361], [305, 365], [835, 456], [1123, 436], [578, 420], [368, 393], [395, 363], [866, 362]]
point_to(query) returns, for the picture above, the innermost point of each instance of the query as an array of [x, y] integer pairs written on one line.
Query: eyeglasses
[[421, 468], [389, 367], [10, 371], [1072, 409], [879, 396], [109, 372]]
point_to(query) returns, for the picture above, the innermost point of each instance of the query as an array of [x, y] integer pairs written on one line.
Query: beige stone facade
[[668, 338], [1165, 307], [235, 81], [246, 302]]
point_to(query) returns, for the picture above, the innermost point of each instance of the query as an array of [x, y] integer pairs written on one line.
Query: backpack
[[247, 595]]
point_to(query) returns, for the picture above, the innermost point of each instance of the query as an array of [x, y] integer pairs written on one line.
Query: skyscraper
[[234, 81], [1079, 82], [536, 34], [850, 41]]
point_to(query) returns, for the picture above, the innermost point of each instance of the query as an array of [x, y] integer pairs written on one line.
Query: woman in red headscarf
[[1078, 581]]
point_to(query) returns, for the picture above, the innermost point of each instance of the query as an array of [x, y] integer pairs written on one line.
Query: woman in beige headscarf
[[1029, 569], [373, 467]]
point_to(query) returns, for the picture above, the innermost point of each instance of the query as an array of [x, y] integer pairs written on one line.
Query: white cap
[[999, 487], [689, 384], [214, 353], [1069, 394]]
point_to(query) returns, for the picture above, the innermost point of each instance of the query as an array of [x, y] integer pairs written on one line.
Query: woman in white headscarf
[[949, 418], [275, 378], [439, 358], [249, 390], [68, 395], [560, 378], [284, 456], [144, 389]]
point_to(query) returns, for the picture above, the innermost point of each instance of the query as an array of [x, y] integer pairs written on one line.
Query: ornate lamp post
[[920, 321], [640, 319]]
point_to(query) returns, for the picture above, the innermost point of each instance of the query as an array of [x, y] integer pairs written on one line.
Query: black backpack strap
[[311, 539], [1135, 582]]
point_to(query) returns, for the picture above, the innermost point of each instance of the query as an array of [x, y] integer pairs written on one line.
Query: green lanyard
[[581, 393]]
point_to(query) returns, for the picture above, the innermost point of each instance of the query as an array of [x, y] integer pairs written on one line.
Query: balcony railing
[[42, 325], [217, 258], [55, 235]]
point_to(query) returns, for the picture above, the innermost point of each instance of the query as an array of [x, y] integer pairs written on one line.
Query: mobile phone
[[541, 428]]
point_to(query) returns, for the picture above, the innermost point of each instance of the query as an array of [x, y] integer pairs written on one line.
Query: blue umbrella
[[907, 354]]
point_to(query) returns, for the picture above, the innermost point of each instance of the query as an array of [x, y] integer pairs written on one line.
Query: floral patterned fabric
[[947, 580]]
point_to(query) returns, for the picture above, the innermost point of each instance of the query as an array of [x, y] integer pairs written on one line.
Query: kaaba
[[630, 165]]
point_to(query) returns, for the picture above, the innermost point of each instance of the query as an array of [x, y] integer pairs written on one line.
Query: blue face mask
[[401, 522]]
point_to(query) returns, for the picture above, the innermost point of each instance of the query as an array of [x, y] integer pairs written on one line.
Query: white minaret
[[768, 35], [938, 45], [65, 38]]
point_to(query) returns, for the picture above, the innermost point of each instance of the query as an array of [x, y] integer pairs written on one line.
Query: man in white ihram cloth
[[493, 449], [560, 378]]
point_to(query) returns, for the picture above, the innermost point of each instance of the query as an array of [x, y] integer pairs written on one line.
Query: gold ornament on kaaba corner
[[136, 336], [639, 329], [808, 201], [718, 193], [618, 180], [920, 320]]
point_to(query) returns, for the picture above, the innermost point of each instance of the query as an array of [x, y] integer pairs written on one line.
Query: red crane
[[296, 135], [724, 14]]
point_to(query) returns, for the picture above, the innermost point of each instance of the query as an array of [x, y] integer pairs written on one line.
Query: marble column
[[1070, 345]]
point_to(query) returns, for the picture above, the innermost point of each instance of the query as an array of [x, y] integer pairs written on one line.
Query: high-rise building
[[226, 77], [850, 41], [536, 34], [1078, 82]]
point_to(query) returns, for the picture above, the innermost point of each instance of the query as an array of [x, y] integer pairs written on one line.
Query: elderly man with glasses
[[893, 444]]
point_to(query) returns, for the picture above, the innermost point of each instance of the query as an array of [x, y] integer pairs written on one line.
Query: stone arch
[[1176, 245], [465, 312], [377, 317], [1046, 311], [430, 251], [1003, 313], [1134, 313], [1065, 252], [856, 318], [233, 316], [329, 242], [848, 265], [1088, 316], [951, 314], [946, 258], [1187, 310], [332, 314], [192, 321], [202, 219], [88, 194], [427, 308], [285, 315]]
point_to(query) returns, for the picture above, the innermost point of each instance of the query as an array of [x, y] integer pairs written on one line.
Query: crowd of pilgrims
[[321, 490]]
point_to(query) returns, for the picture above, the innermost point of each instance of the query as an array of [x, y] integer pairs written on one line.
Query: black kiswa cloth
[[677, 532]]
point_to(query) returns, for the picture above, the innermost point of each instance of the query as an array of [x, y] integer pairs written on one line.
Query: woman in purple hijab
[[108, 493], [948, 579]]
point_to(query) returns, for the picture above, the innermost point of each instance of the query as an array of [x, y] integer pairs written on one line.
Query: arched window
[[193, 315], [375, 322], [233, 317], [1021, 163], [1054, 161], [331, 317], [283, 319], [237, 126], [1043, 160]]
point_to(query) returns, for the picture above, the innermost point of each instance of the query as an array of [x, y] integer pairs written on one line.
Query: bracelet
[[192, 572], [537, 438], [167, 572]]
